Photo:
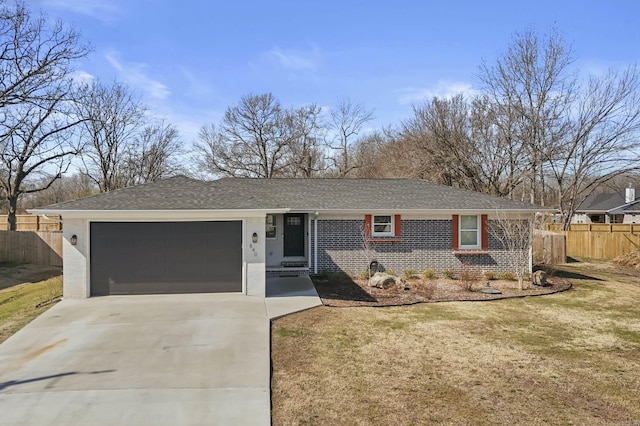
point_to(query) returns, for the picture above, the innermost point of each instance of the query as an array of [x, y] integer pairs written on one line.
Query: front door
[[294, 235]]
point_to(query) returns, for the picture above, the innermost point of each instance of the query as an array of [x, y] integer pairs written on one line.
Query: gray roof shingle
[[182, 193], [601, 202]]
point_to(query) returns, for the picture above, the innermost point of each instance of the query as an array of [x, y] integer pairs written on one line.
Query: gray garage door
[[166, 257]]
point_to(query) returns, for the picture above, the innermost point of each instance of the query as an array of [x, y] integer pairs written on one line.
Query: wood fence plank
[[600, 241], [29, 222], [42, 248]]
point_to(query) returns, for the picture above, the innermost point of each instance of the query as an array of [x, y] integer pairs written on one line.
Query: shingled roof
[[601, 202], [182, 193]]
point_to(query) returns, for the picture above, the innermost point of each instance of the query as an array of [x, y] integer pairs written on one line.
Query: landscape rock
[[539, 278], [382, 280]]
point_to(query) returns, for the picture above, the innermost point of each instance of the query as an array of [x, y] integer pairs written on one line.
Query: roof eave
[[157, 213]]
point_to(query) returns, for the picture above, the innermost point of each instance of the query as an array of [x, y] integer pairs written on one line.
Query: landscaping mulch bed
[[343, 291]]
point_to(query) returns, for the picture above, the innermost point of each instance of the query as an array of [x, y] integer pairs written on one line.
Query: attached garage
[[165, 257]]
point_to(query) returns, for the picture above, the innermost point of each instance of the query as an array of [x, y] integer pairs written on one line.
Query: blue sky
[[190, 60]]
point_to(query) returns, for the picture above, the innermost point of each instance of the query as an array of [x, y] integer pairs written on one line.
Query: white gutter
[[147, 214], [309, 248], [315, 244], [50, 218]]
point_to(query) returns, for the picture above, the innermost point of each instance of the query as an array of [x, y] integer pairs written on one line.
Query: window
[[294, 221], [617, 218], [270, 228], [382, 225], [469, 231]]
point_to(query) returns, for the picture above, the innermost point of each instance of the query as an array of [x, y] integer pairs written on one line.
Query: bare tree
[[112, 117], [305, 156], [252, 140], [440, 133], [36, 55], [602, 142], [455, 141], [346, 121], [531, 89], [515, 234], [35, 66], [36, 147], [64, 189], [152, 155]]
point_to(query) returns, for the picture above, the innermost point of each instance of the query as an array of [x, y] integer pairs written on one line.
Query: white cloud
[[100, 9], [296, 60], [80, 76], [442, 89], [134, 74]]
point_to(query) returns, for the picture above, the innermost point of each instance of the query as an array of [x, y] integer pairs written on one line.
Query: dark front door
[[294, 235]]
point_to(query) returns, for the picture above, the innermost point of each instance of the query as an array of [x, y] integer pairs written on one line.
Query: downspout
[[315, 244], [309, 240]]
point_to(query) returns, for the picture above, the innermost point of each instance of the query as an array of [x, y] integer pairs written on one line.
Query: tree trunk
[[11, 214]]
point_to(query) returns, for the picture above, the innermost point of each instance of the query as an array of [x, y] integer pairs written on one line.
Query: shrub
[[507, 276], [364, 274], [429, 274], [409, 274], [390, 272], [448, 274], [490, 275], [425, 289], [467, 277]]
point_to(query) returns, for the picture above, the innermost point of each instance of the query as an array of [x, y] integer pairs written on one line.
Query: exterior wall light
[[254, 237], [74, 240]]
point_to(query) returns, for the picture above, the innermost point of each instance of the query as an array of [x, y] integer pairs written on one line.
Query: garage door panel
[[166, 257]]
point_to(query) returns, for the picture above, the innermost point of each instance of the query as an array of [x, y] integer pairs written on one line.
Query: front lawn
[[567, 358], [25, 292]]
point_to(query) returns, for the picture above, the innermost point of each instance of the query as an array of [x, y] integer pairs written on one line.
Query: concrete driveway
[[198, 359]]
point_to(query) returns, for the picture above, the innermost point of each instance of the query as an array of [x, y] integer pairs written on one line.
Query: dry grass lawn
[[568, 358]]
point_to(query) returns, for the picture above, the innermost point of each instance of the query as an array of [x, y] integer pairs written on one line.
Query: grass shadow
[[12, 275], [340, 286], [562, 273]]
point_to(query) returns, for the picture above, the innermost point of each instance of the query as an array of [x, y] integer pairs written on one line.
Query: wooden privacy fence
[[30, 222], [601, 241], [41, 248], [549, 248]]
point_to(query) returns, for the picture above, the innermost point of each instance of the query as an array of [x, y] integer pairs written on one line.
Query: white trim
[[158, 214], [275, 225], [315, 245], [259, 212], [309, 241], [389, 233], [478, 233]]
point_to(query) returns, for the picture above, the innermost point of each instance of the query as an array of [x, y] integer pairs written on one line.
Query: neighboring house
[[615, 207], [182, 235]]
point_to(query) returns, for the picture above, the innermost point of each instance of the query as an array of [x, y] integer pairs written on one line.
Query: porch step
[[293, 263], [287, 272]]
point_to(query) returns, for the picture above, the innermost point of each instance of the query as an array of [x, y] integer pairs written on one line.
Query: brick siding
[[425, 244]]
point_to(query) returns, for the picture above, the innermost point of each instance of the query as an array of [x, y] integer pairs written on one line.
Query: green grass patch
[[391, 324], [21, 303], [289, 332]]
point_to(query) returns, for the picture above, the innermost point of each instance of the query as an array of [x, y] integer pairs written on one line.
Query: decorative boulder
[[539, 278], [382, 280]]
